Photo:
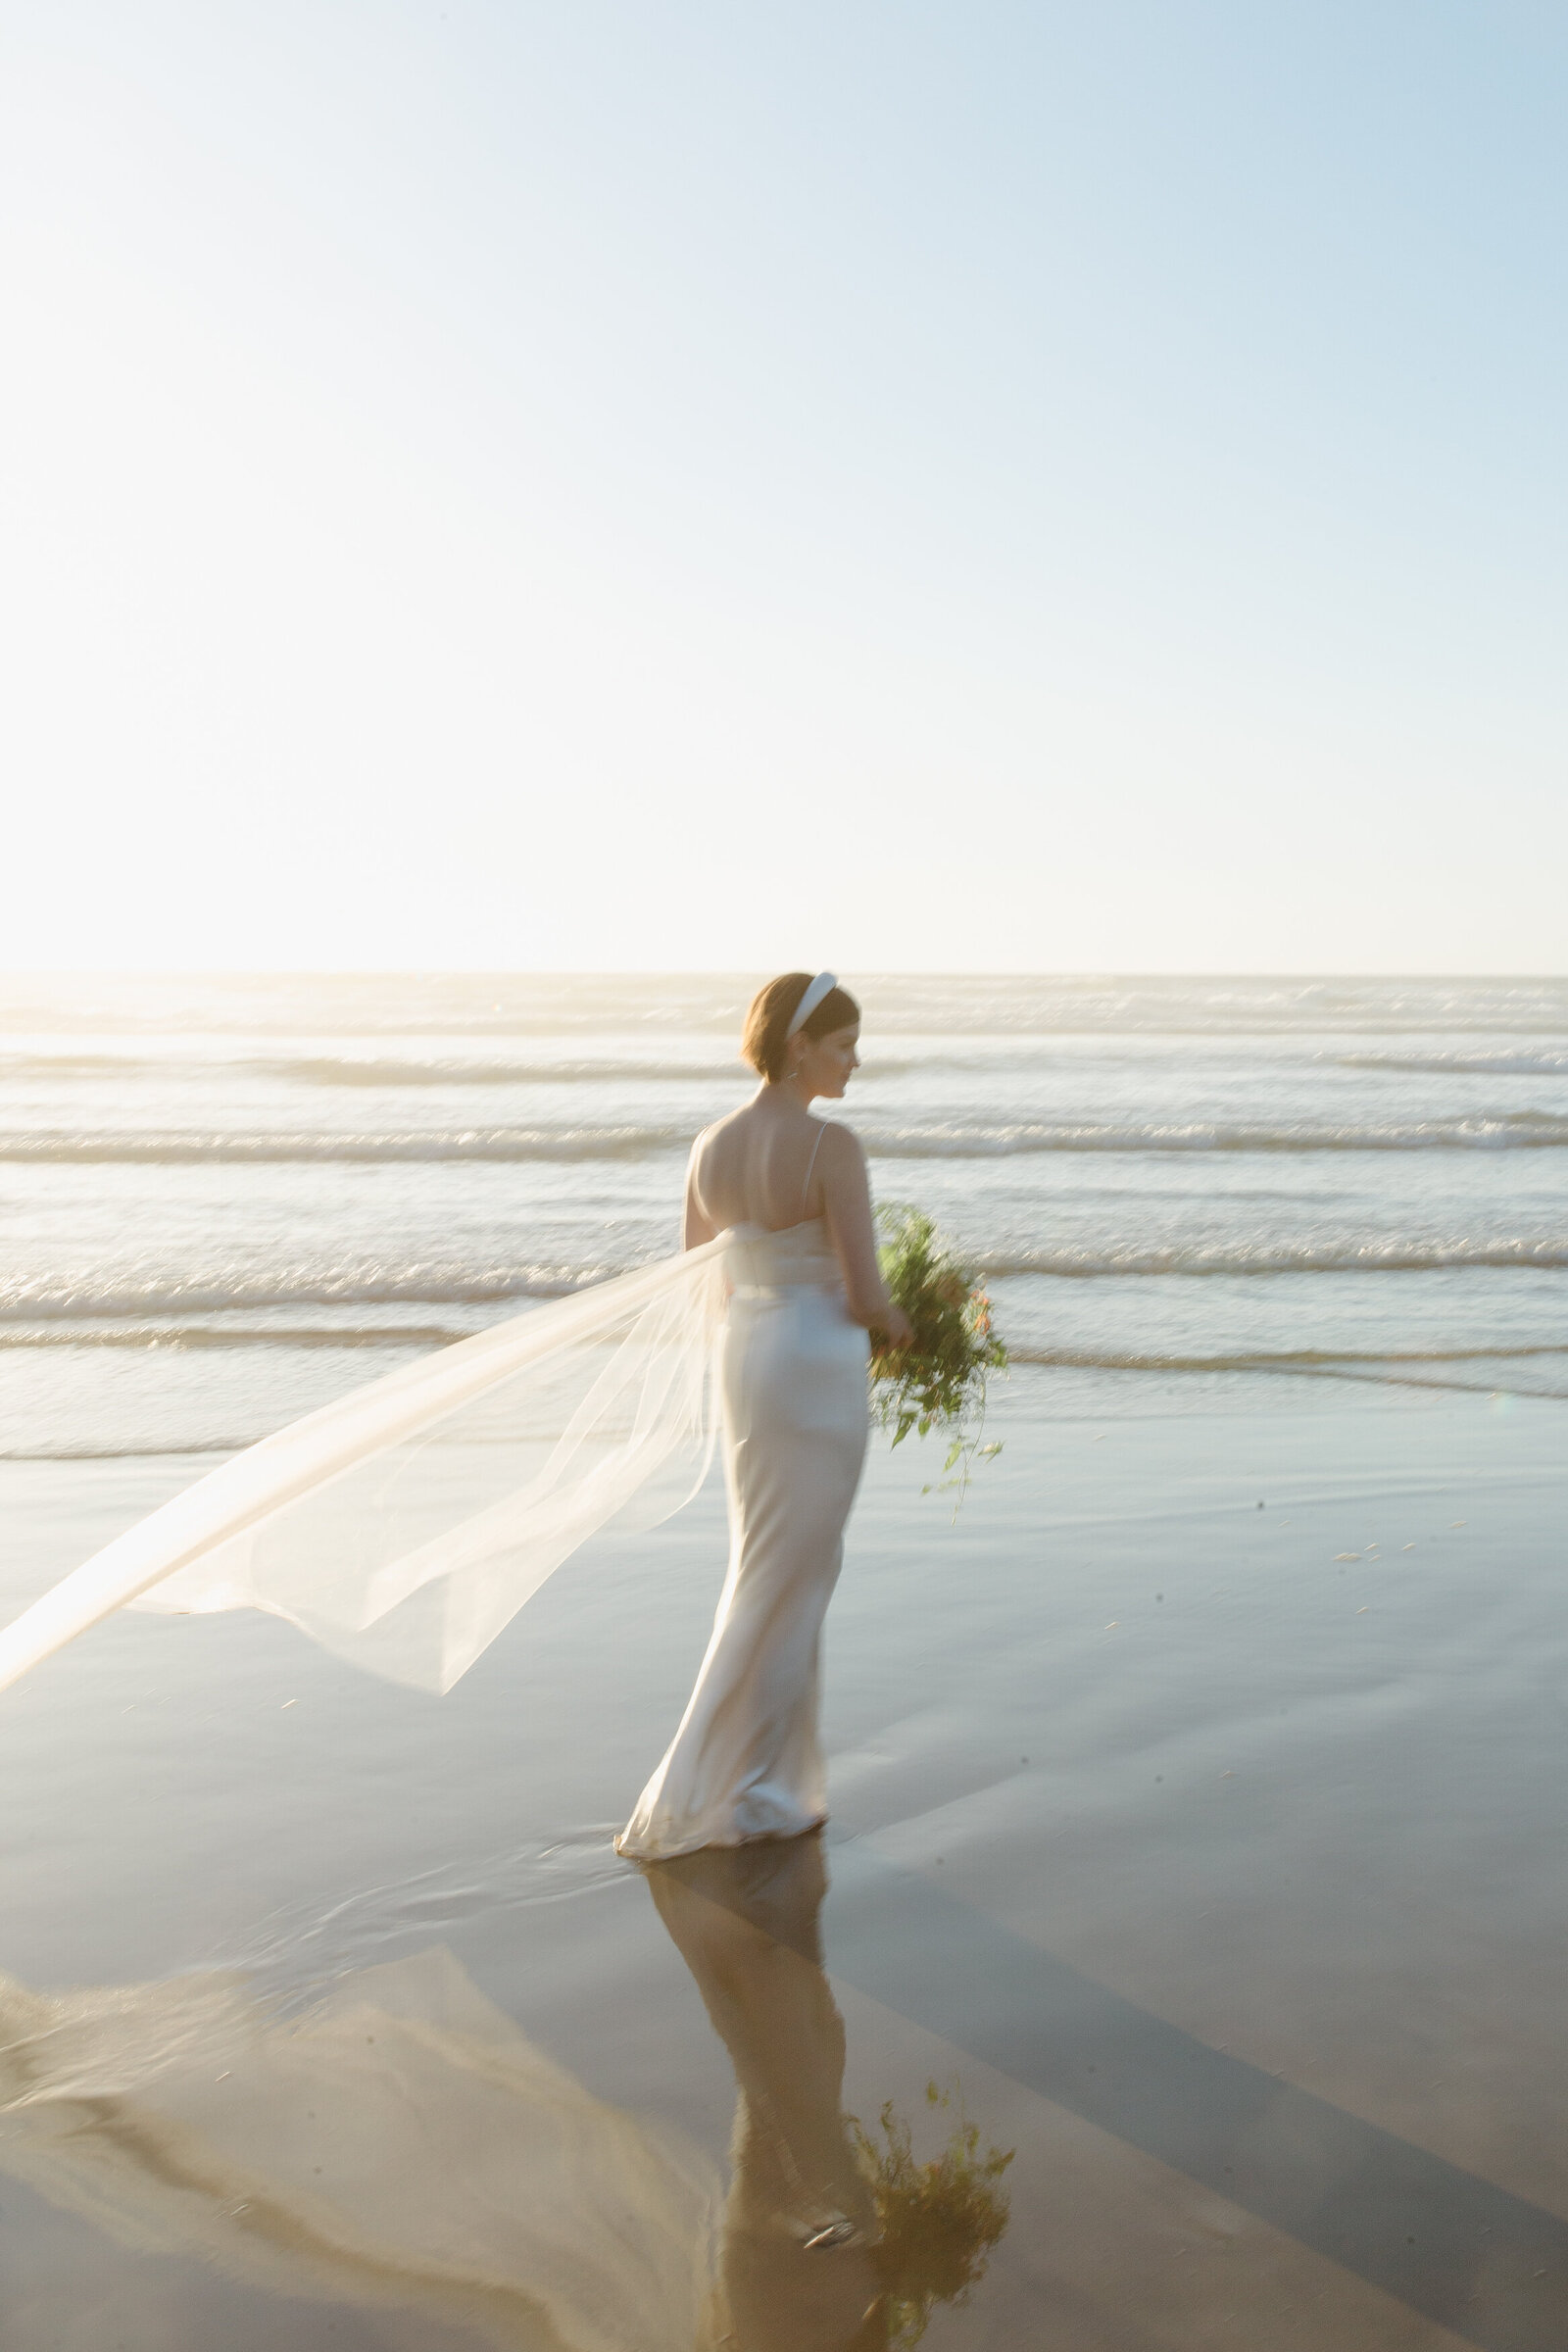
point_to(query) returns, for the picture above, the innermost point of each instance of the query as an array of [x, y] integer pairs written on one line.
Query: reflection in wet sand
[[401, 2145], [832, 2242]]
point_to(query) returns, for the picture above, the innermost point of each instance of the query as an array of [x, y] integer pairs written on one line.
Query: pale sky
[[671, 484]]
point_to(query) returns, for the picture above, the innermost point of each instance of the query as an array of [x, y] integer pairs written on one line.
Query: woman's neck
[[786, 1094]]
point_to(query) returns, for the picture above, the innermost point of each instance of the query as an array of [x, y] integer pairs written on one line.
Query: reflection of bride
[[402, 2146], [830, 2245], [797, 2269]]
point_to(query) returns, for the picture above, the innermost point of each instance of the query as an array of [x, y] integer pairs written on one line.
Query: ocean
[[225, 1200]]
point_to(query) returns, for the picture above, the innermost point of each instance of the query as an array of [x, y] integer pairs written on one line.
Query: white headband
[[819, 989]]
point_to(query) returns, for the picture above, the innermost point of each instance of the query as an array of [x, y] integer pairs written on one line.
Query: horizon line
[[496, 971]]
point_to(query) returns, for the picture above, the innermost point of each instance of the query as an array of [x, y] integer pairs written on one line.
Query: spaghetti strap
[[806, 1187]]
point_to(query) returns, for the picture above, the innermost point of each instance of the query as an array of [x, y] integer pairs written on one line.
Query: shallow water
[[1203, 1854]]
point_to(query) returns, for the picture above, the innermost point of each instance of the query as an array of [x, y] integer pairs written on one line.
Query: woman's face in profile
[[828, 1062]]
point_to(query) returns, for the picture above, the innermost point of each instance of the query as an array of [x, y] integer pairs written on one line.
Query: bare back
[[758, 1167], [772, 1165]]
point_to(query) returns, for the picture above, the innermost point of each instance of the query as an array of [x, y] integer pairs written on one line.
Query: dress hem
[[695, 1845]]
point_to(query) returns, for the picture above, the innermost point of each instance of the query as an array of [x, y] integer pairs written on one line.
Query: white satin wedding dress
[[745, 1761]]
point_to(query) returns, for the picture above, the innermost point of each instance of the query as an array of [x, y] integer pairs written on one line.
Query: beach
[[1194, 1789]]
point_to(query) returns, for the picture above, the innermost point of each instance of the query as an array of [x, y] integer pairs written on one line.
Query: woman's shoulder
[[717, 1143], [838, 1146], [733, 1122]]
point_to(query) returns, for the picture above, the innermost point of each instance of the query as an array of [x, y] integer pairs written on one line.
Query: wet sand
[[1214, 1872]]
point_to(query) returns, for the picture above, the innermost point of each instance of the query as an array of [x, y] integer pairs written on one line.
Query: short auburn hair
[[771, 1010]]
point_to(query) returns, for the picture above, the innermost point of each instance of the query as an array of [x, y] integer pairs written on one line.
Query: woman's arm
[[698, 1226], [847, 1207]]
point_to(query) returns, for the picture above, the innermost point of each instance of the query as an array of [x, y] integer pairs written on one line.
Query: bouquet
[[938, 1381]]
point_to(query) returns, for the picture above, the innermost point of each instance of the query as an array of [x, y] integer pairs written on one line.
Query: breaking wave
[[143, 1311], [23, 1303], [1509, 1130], [1492, 1371], [212, 1149], [198, 1335], [1505, 1061], [1301, 1359], [1391, 1255], [368, 1070], [1520, 1130], [345, 1071]]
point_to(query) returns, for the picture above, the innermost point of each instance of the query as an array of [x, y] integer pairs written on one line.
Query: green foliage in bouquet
[[939, 1382], [937, 2221]]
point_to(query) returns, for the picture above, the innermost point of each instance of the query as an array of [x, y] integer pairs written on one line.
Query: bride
[[404, 1525], [792, 1193]]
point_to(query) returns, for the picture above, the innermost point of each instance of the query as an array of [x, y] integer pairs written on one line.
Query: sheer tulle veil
[[406, 1524]]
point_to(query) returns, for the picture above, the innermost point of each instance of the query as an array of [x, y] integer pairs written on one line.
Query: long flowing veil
[[404, 1525]]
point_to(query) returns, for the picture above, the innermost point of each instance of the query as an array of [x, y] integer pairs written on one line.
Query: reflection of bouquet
[[937, 2221], [938, 1381]]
